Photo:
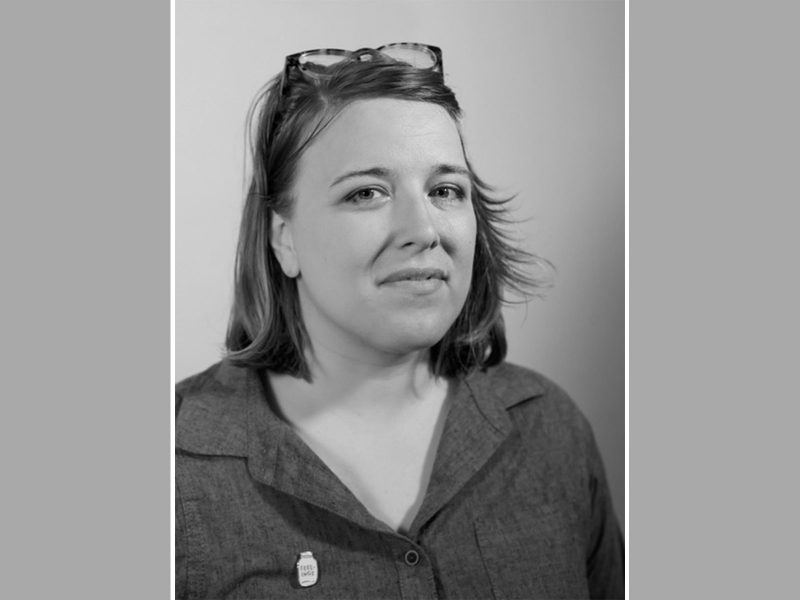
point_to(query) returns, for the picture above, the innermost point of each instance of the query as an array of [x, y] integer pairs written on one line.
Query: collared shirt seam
[[482, 410]]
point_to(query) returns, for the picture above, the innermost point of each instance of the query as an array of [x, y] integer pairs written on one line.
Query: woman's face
[[382, 232]]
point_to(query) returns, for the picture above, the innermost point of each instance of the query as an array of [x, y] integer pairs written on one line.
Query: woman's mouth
[[416, 275]]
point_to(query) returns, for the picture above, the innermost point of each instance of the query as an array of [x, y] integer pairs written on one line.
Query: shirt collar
[[225, 412], [228, 407], [477, 425]]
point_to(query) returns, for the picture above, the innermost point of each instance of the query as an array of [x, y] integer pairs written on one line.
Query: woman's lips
[[416, 275]]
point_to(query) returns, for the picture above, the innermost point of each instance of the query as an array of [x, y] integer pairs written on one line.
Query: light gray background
[[542, 89]]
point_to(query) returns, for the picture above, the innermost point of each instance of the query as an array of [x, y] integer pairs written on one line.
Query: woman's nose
[[414, 221]]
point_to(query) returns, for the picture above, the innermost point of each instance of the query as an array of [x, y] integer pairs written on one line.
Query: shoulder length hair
[[266, 327]]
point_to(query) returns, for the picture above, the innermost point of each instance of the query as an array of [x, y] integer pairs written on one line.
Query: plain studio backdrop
[[542, 88]]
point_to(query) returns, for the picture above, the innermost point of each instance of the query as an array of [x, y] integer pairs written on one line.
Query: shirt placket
[[415, 574], [469, 440]]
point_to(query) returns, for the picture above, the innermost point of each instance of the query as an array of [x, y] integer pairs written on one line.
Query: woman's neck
[[374, 390], [376, 426]]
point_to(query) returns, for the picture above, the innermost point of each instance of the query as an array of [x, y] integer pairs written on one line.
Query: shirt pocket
[[532, 553]]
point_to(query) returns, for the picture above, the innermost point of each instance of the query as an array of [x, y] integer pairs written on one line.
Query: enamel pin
[[307, 569]]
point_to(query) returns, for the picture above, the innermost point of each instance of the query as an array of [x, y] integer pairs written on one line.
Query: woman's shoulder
[[526, 394], [513, 385], [212, 407], [222, 379], [539, 409], [195, 385]]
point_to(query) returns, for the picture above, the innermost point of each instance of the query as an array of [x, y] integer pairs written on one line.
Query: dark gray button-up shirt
[[517, 505]]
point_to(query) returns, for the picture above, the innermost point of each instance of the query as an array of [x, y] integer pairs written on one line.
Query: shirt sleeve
[[181, 573], [180, 551], [606, 552]]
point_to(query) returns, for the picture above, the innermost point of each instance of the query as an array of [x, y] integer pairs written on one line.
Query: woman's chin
[[410, 340]]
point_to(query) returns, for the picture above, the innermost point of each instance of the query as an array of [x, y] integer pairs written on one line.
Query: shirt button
[[412, 558]]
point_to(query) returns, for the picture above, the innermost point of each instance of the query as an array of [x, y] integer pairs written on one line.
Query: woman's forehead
[[386, 132]]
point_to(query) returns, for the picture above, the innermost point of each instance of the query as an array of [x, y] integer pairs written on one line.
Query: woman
[[364, 438]]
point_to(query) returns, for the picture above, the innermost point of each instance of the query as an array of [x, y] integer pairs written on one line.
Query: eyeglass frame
[[293, 60]]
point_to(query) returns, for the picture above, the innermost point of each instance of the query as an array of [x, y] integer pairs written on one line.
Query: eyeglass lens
[[422, 58], [418, 57]]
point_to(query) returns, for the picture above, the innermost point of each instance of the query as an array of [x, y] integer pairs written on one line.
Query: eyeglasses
[[313, 63]]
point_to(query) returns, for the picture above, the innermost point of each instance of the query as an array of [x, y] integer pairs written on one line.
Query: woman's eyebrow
[[441, 169], [374, 171], [447, 169]]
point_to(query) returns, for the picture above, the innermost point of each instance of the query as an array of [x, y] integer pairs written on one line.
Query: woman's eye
[[364, 195], [448, 192]]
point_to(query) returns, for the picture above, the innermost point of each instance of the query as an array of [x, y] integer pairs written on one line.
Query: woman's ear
[[280, 238]]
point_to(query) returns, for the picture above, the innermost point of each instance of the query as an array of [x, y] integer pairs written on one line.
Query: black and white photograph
[[430, 299], [400, 299]]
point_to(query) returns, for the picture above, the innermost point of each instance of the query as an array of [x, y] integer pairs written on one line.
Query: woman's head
[[364, 225]]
